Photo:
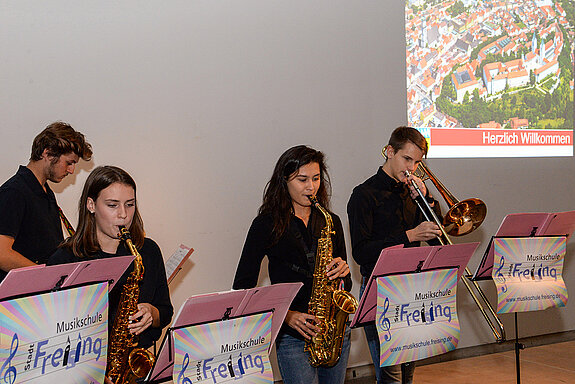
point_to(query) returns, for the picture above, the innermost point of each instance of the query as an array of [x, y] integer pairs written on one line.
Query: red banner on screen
[[500, 137]]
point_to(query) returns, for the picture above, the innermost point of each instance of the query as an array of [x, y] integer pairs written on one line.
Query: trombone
[[462, 217]]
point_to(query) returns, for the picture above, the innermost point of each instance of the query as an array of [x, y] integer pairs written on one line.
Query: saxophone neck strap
[[66, 222], [310, 252], [299, 270]]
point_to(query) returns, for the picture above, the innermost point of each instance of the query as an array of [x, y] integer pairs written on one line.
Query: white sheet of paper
[[176, 260]]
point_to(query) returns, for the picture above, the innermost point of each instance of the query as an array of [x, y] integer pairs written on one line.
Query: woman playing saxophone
[[108, 203], [287, 230]]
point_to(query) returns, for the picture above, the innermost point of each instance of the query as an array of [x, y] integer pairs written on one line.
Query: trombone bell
[[464, 217]]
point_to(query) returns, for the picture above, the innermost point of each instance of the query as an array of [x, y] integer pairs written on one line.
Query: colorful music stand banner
[[528, 273], [416, 315], [234, 350], [58, 337]]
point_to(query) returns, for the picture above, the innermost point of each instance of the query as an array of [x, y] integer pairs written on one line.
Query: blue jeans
[[295, 367], [385, 375]]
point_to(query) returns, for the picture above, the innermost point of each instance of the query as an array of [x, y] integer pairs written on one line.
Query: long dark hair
[[85, 241], [277, 201]]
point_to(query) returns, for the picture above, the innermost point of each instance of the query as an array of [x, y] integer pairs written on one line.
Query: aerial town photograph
[[500, 64]]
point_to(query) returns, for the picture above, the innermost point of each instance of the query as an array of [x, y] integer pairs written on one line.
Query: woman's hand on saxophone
[[146, 316], [337, 268], [304, 323]]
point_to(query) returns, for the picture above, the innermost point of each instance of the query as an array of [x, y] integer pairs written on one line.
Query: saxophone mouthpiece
[[123, 233], [313, 199]]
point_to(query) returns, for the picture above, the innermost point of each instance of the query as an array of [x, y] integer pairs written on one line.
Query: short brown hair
[[60, 138], [402, 135]]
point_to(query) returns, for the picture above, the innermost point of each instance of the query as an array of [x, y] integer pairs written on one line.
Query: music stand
[[399, 260], [526, 225], [536, 224], [31, 283], [42, 278], [222, 306]]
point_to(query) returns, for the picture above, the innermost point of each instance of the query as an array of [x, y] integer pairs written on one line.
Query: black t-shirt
[[30, 216], [153, 288], [288, 260]]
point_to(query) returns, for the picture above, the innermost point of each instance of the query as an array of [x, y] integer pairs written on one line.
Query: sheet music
[[42, 278], [559, 224], [521, 224], [175, 261]]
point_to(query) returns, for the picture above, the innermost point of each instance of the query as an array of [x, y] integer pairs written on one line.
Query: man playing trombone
[[383, 212]]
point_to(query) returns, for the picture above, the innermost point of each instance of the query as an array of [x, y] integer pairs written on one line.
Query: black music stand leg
[[518, 346]]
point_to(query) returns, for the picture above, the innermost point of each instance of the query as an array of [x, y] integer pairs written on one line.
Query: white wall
[[197, 100]]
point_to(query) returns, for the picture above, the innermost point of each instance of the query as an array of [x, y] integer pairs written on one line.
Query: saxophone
[[329, 304], [126, 363]]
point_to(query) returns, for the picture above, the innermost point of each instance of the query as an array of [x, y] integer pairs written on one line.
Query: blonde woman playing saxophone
[[287, 230]]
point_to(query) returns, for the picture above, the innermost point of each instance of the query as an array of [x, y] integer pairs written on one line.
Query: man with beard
[[30, 228]]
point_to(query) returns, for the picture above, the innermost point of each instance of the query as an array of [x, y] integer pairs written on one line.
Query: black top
[[288, 260], [380, 211], [30, 216], [153, 288]]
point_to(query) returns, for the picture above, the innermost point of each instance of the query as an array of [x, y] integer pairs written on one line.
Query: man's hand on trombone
[[409, 180], [425, 231]]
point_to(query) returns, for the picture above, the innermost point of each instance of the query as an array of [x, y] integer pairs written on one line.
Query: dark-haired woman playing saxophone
[[287, 230], [108, 202]]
